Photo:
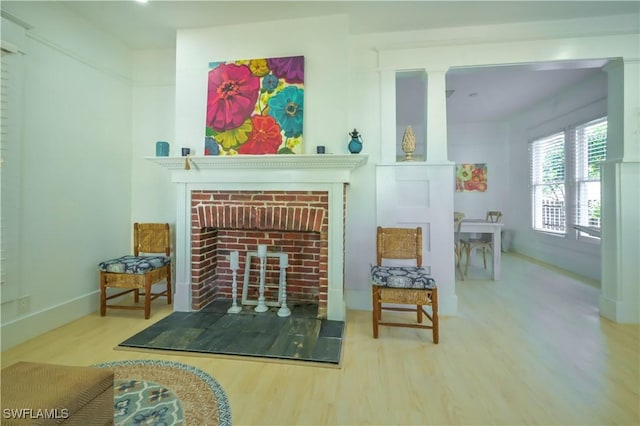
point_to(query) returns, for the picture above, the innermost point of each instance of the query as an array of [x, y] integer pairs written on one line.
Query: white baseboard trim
[[619, 312], [22, 329]]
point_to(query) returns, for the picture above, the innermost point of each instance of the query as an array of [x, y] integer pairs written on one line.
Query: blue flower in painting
[[269, 83], [287, 108]]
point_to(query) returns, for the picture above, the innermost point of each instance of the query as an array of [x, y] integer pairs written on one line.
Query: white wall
[[328, 99], [321, 41], [76, 168], [86, 131], [364, 112], [436, 51], [578, 104], [153, 114], [620, 195], [332, 108], [482, 143]]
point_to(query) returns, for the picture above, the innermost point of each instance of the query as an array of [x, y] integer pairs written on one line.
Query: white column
[[631, 103], [620, 196], [388, 116], [436, 133], [336, 306], [433, 211], [182, 299]]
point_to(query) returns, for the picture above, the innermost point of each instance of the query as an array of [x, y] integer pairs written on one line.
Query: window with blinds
[[10, 166], [568, 159], [590, 148], [547, 171]]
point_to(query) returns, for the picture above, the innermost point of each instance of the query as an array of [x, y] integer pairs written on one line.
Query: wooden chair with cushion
[[149, 265], [403, 285], [484, 242]]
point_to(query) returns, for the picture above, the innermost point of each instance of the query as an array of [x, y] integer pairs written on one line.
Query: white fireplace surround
[[326, 172]]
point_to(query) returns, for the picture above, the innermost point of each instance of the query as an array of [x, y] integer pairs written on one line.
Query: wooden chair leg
[[434, 316], [169, 291], [136, 295], [484, 257], [419, 311], [103, 294], [147, 296], [468, 251], [458, 253], [376, 311]]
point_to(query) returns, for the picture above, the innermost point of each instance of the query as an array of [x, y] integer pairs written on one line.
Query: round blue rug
[[158, 392]]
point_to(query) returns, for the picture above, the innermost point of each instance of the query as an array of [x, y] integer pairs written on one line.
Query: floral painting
[[471, 177], [256, 106]]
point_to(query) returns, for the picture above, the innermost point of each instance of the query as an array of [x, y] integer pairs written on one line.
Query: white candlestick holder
[[262, 306], [233, 261], [284, 310], [235, 308]]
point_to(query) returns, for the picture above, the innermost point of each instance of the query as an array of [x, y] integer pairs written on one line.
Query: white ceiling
[[492, 93], [498, 93], [500, 90], [154, 24]]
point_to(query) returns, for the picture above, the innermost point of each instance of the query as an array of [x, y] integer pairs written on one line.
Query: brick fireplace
[[292, 203], [292, 222]]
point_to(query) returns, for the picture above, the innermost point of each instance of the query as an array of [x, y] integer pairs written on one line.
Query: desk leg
[[496, 252]]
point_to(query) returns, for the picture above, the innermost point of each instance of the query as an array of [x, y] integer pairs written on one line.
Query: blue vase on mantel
[[355, 145], [211, 146]]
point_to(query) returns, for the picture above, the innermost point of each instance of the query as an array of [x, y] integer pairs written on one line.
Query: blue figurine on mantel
[[355, 146]]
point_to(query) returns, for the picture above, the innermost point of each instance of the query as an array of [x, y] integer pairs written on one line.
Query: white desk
[[481, 226]]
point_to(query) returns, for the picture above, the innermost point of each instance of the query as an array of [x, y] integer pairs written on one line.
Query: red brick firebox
[[294, 222]]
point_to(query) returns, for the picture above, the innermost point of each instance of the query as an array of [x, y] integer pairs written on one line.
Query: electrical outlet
[[24, 305]]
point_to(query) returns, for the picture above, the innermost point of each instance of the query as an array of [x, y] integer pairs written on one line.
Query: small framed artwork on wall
[[471, 177]]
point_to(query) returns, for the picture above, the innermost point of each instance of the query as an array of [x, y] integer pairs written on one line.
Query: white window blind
[[547, 172], [565, 178], [10, 165], [590, 148]]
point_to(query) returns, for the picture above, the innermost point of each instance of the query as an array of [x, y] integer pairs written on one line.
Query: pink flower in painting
[[231, 98], [291, 68], [265, 138]]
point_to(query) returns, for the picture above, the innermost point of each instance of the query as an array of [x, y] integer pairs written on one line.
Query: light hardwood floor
[[529, 349]]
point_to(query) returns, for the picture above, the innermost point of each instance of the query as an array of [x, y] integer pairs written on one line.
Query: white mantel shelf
[[256, 162]]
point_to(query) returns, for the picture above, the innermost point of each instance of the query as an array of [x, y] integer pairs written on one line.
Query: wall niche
[[411, 110]]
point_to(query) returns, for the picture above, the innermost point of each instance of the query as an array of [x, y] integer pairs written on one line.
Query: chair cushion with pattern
[[134, 264], [402, 277]]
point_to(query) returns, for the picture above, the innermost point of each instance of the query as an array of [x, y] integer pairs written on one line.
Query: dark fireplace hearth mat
[[299, 337]]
